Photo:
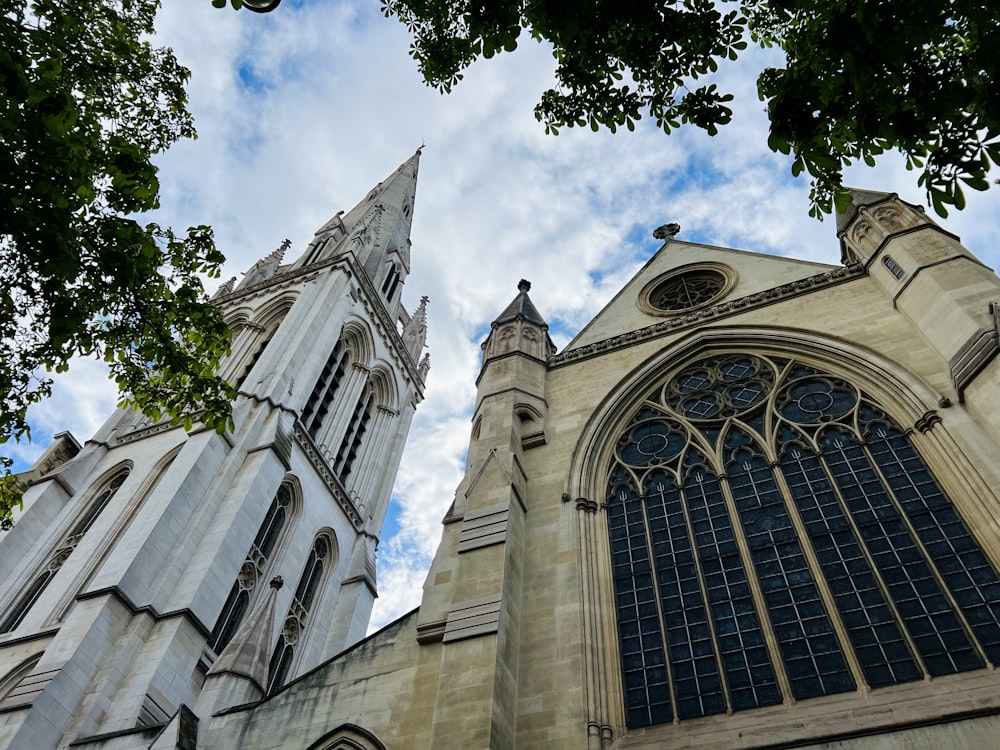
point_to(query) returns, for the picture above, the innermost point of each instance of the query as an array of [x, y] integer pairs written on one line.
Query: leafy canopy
[[860, 77], [85, 103]]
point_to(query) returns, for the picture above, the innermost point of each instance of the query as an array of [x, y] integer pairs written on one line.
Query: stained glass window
[[766, 520], [687, 290]]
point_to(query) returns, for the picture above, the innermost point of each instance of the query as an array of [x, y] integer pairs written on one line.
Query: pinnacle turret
[[520, 327], [522, 308], [870, 218], [266, 267], [859, 198], [415, 330]]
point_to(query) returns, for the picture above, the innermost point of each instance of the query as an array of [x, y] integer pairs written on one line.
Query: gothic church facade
[[137, 574], [753, 504]]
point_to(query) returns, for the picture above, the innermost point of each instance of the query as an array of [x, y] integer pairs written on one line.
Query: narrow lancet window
[[58, 557], [252, 570], [298, 612]]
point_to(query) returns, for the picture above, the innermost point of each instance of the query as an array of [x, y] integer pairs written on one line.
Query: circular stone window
[[687, 288]]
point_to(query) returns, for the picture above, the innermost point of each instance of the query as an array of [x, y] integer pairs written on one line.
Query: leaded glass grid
[[687, 290], [775, 535]]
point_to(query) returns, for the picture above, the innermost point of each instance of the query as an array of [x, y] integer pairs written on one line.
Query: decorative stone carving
[[225, 288], [326, 474], [666, 231], [266, 267], [415, 330]]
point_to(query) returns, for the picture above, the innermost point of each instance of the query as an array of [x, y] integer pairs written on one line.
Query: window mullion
[[658, 599], [918, 542], [883, 586], [703, 587], [819, 578], [876, 567], [760, 603]]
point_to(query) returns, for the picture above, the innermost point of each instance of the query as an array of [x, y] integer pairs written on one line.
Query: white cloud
[[302, 110]]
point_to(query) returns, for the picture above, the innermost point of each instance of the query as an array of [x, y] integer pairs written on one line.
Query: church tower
[[143, 578]]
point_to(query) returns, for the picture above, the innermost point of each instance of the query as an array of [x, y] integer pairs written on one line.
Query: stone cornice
[[143, 432], [708, 314], [280, 279], [329, 478]]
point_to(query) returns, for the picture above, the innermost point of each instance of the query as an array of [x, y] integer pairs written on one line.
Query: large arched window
[[252, 570], [294, 626], [65, 548], [774, 534]]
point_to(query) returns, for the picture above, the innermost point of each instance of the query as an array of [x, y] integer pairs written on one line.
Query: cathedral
[[752, 504]]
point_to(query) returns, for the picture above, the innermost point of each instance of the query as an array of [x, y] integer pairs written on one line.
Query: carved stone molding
[[715, 312], [155, 429], [927, 421], [329, 478]]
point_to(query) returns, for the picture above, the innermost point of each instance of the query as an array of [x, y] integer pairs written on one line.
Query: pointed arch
[[357, 337], [261, 327], [312, 582], [237, 319], [384, 386], [910, 396], [109, 540], [96, 501], [13, 691], [266, 547], [338, 381], [820, 486], [348, 737]]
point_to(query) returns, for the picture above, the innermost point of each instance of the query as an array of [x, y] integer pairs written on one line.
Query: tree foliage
[[86, 103], [860, 77]]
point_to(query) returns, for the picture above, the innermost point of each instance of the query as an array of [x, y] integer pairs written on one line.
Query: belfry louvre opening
[[775, 534]]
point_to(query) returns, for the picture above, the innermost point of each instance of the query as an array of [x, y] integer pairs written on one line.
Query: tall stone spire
[[377, 228]]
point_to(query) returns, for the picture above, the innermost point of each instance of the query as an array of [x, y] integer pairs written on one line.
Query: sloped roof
[[522, 308], [859, 198]]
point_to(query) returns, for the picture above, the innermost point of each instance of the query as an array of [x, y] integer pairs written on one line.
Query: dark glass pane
[[805, 635], [643, 675], [886, 659], [919, 600], [689, 645], [281, 663], [231, 616], [966, 571], [745, 660]]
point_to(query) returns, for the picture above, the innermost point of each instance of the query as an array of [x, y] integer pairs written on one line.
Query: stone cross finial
[[524, 285], [277, 582]]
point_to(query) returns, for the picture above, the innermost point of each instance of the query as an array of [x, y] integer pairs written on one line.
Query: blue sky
[[301, 111]]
